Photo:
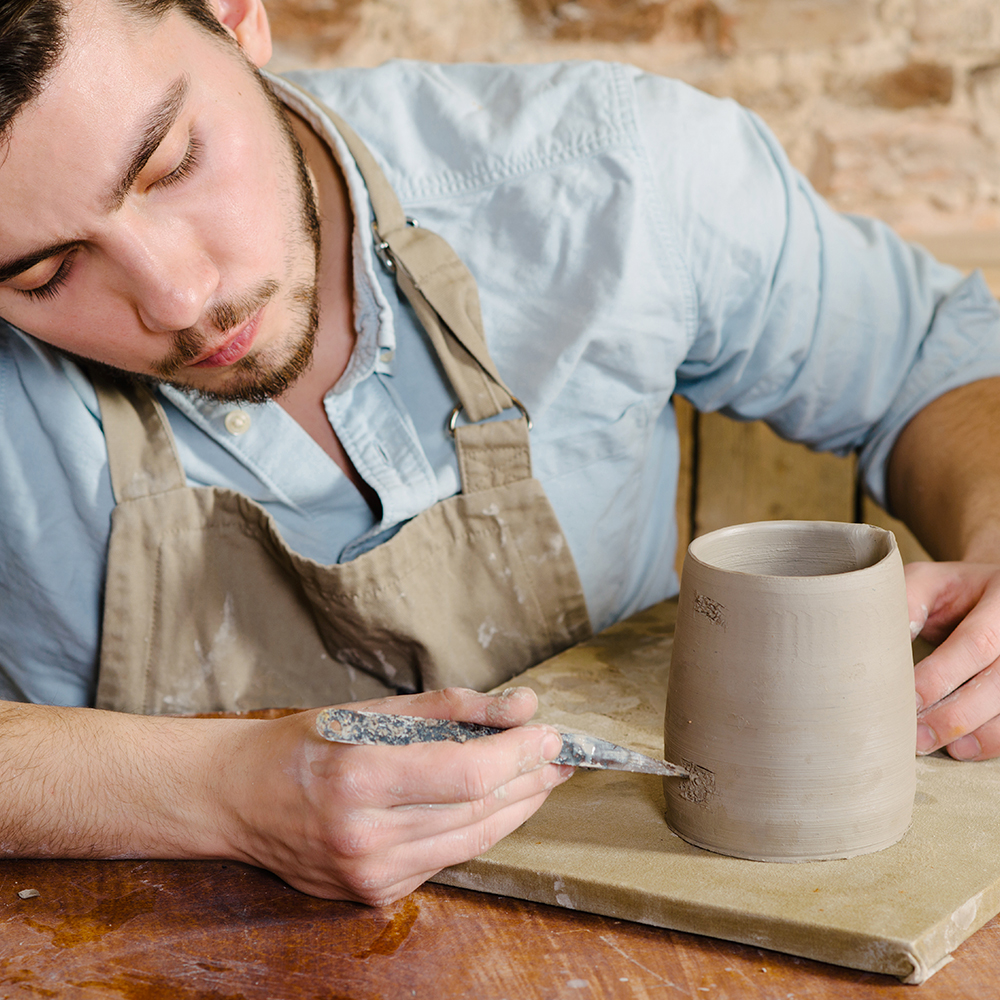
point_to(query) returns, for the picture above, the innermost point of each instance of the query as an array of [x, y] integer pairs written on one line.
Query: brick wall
[[892, 107]]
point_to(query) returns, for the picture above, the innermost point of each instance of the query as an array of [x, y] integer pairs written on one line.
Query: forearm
[[83, 783], [944, 482], [944, 474], [344, 822]]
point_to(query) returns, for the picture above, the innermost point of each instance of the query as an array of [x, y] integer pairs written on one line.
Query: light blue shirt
[[631, 237]]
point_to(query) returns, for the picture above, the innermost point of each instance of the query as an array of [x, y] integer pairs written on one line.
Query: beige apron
[[206, 608]]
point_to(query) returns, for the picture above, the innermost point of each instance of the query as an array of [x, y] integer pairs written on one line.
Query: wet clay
[[791, 693]]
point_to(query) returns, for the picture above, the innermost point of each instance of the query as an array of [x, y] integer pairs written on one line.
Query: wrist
[[190, 801]]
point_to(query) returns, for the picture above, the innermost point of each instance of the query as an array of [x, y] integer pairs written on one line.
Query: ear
[[247, 21]]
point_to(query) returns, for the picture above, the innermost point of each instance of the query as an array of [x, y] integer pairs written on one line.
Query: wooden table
[[182, 930]]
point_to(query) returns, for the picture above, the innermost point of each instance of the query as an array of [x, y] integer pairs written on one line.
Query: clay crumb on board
[[29, 893]]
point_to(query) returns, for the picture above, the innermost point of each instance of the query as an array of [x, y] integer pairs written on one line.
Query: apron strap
[[443, 294], [438, 285], [142, 455]]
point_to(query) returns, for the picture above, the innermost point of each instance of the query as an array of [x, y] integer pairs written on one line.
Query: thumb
[[922, 589], [514, 707], [940, 595]]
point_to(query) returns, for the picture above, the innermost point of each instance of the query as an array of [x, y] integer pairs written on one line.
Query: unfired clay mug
[[791, 693]]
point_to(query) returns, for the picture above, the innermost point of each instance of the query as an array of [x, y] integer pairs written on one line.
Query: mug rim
[[789, 528]]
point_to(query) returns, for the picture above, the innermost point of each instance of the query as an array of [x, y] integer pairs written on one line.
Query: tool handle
[[344, 725]]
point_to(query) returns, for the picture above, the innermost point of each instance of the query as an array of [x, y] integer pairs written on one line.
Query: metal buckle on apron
[[453, 416], [382, 248]]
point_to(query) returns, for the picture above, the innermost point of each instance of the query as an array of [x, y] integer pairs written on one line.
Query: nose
[[169, 276]]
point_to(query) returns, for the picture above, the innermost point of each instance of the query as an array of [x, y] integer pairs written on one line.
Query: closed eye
[[183, 169], [51, 287]]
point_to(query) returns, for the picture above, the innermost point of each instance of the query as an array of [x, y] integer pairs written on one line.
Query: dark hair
[[33, 38]]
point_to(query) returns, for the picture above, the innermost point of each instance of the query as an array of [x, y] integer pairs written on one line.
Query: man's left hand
[[957, 604]]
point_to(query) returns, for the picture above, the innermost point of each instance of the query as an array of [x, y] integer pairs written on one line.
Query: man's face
[[154, 216]]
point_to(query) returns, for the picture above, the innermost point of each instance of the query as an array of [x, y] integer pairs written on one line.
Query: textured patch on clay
[[699, 785], [712, 610]]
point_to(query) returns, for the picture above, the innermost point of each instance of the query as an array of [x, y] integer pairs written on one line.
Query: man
[[228, 473]]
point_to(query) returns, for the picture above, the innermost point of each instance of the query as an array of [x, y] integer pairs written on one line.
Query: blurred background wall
[[891, 107]]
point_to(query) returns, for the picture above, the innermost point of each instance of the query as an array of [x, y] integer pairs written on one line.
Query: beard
[[260, 375]]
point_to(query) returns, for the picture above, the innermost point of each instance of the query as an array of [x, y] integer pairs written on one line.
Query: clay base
[[873, 849]]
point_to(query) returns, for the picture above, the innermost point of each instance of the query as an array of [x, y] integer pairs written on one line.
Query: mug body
[[790, 695]]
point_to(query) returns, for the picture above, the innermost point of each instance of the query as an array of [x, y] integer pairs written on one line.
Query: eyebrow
[[153, 130]]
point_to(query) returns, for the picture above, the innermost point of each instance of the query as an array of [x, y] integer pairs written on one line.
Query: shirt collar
[[376, 337]]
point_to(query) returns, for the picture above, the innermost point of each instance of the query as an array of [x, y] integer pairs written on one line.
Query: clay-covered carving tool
[[344, 725]]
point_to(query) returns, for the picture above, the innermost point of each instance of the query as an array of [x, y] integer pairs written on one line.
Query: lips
[[236, 346]]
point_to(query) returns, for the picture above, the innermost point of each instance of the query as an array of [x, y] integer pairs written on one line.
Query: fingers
[[375, 855], [358, 832], [373, 822], [963, 603], [918, 596], [966, 721], [513, 707], [958, 685], [982, 744], [437, 773], [381, 884], [939, 595]]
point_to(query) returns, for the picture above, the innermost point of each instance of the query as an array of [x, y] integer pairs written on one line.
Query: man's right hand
[[371, 823], [366, 823]]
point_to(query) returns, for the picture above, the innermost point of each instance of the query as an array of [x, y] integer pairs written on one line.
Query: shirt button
[[237, 422], [385, 355]]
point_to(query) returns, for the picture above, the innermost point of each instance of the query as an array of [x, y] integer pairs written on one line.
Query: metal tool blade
[[590, 751], [344, 725]]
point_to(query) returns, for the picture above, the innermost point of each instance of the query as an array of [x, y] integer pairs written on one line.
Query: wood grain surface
[[183, 930]]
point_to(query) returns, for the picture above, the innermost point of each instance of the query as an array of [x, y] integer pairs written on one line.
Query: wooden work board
[[600, 843]]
